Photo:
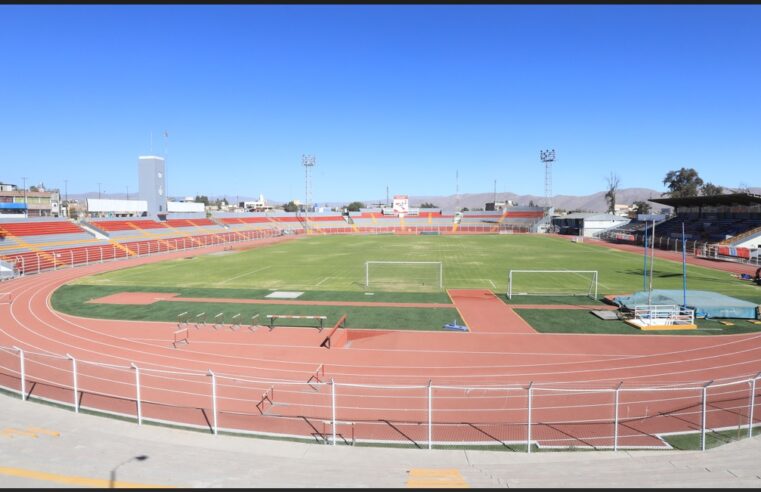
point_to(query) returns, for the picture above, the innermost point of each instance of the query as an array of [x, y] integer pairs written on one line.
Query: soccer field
[[337, 264]]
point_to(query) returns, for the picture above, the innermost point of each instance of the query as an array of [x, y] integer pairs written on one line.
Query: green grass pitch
[[333, 268]]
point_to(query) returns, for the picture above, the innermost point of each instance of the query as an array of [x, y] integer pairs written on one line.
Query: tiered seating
[[125, 224], [515, 218], [708, 229], [18, 237], [40, 228], [193, 227]]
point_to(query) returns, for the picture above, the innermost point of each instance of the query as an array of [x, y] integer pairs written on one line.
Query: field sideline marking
[[242, 275], [321, 281]]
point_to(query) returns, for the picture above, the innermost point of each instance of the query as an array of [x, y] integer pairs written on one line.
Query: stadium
[[473, 330], [347, 266]]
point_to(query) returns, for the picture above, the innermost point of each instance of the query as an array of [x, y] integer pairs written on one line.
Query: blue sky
[[383, 95]]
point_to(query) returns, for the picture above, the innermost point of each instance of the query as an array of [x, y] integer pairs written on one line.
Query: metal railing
[[530, 415]]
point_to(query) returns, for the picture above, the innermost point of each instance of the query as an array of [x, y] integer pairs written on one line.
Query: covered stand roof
[[698, 201]]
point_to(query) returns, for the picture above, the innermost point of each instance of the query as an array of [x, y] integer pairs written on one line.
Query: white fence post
[[101, 253], [703, 417], [74, 374], [137, 394], [333, 407], [752, 403], [214, 398], [528, 433], [615, 421], [23, 372], [430, 415]]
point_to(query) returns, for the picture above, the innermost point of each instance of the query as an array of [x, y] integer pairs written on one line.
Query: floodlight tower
[[548, 157], [308, 162]]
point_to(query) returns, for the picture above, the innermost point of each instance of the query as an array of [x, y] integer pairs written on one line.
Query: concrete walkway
[[42, 446]]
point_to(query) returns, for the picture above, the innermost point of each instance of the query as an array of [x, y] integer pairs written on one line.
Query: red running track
[[478, 380]]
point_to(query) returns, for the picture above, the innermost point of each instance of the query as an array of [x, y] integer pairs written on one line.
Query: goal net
[[404, 275], [552, 283]]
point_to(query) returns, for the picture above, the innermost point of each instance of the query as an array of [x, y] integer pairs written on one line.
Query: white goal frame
[[592, 292], [441, 268]]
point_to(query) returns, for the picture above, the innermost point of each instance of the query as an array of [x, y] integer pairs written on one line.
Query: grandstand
[[34, 245], [723, 226]]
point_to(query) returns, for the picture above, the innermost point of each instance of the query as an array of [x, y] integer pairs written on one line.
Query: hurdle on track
[[200, 320], [216, 323], [182, 319], [181, 335], [235, 322], [340, 324], [253, 327], [273, 317], [268, 395], [318, 373]]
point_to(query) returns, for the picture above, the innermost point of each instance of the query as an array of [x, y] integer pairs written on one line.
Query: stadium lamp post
[[547, 157], [308, 162], [98, 191]]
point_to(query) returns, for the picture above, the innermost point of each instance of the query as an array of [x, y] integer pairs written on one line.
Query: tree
[[642, 207], [355, 206], [531, 203], [428, 205], [682, 183], [290, 207], [610, 195], [202, 199], [710, 189]]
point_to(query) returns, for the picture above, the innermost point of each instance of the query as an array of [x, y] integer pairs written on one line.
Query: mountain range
[[587, 203]]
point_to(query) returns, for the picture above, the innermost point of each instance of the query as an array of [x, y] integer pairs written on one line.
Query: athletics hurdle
[[273, 317], [316, 376], [328, 340], [181, 335], [253, 327], [216, 324], [199, 320], [182, 318], [235, 322], [266, 396]]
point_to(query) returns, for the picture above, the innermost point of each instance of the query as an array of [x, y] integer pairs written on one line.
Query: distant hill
[[590, 203]]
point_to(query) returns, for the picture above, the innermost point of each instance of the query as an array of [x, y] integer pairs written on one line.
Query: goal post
[[552, 283], [404, 273]]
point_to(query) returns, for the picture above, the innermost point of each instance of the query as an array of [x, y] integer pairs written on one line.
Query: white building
[[587, 224]]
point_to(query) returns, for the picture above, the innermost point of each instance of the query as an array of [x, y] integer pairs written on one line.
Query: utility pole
[[26, 207], [98, 191]]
